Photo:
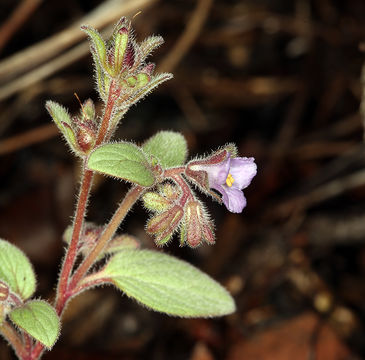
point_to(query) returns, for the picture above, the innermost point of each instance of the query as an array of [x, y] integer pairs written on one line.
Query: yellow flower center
[[229, 180]]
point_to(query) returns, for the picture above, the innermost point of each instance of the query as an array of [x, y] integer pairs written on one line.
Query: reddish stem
[[72, 250], [14, 339], [64, 291], [131, 197]]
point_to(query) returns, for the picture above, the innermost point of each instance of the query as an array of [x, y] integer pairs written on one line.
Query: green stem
[[129, 200]]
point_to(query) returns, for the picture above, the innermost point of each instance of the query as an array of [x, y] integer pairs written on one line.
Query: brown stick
[[188, 36], [16, 19], [27, 138]]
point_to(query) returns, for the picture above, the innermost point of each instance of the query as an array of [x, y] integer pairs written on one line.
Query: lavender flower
[[229, 178], [228, 175]]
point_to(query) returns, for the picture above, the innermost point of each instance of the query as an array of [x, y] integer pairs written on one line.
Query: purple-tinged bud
[[196, 227], [129, 56], [208, 233], [86, 137], [123, 30], [122, 23], [163, 237], [193, 235], [4, 291], [166, 221], [148, 69]]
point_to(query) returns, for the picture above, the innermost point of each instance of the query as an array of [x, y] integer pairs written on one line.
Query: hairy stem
[[70, 257], [14, 339], [80, 213], [129, 200], [64, 291]]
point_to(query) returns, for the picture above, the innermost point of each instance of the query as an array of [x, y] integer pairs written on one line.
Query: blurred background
[[281, 79]]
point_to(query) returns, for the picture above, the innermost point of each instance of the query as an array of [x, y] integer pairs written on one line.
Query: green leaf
[[167, 146], [38, 319], [122, 160], [59, 113], [150, 44], [16, 270], [143, 91], [121, 243], [63, 121], [97, 42], [166, 284]]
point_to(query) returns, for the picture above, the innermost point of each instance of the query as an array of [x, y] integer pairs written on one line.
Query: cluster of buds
[[123, 78], [80, 130], [121, 67], [177, 210]]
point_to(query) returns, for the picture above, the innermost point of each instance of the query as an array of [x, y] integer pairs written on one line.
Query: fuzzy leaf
[[150, 44], [59, 113], [121, 243], [16, 270], [62, 119], [97, 43], [122, 160], [167, 146], [143, 91], [38, 319], [166, 284]]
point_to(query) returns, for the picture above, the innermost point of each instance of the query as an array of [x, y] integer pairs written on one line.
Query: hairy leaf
[[166, 284], [38, 319], [167, 146], [122, 160], [16, 270]]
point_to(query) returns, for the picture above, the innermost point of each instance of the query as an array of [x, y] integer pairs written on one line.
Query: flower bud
[[196, 226], [165, 224], [86, 138], [88, 110], [155, 202], [171, 191]]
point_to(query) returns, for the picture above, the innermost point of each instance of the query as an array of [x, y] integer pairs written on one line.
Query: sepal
[[164, 225], [196, 226], [195, 170]]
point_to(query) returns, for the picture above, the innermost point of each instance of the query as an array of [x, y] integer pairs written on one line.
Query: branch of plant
[[131, 197], [80, 213], [13, 337]]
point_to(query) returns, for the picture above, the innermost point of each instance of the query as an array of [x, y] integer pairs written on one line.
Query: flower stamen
[[229, 180]]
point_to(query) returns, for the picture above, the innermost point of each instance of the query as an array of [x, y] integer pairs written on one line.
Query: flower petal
[[243, 170], [217, 174], [233, 198]]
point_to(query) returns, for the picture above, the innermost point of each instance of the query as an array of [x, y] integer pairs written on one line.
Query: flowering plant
[[159, 176]]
